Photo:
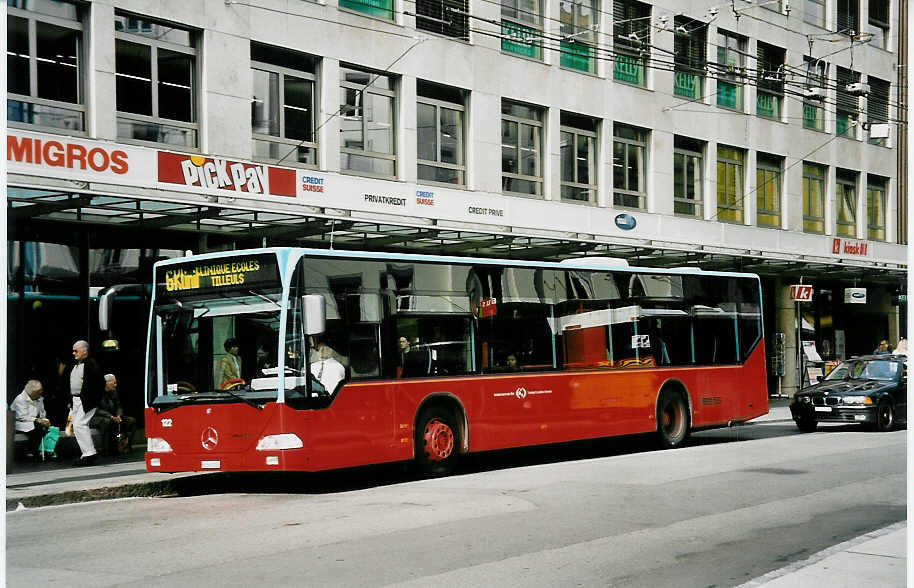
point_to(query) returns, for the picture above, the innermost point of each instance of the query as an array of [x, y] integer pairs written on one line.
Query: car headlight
[[803, 399], [157, 445], [281, 441], [857, 400]]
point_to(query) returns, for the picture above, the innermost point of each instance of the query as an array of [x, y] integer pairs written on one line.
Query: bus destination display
[[208, 276]]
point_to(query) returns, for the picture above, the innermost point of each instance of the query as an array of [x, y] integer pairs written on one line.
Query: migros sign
[[73, 158], [66, 154]]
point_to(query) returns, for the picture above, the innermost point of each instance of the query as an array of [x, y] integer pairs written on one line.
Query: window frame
[[819, 20], [697, 202], [626, 52], [684, 67], [732, 202], [281, 139], [582, 46], [461, 168], [155, 45], [845, 113], [642, 144], [372, 90], [816, 77], [774, 89], [365, 8], [540, 128], [591, 138], [811, 222], [726, 77], [876, 227], [525, 33], [32, 17], [765, 165], [437, 24], [877, 107], [844, 180]]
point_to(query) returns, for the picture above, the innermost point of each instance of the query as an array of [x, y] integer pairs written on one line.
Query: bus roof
[[579, 264]]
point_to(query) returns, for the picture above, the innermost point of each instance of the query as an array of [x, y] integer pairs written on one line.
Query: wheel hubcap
[[672, 419], [439, 440]]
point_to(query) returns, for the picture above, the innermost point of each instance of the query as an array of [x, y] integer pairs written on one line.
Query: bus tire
[[437, 441], [672, 419]]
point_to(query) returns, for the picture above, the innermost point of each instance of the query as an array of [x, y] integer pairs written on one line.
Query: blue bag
[[49, 442]]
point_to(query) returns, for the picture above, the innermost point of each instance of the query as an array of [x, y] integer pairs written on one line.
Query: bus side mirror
[[314, 314]]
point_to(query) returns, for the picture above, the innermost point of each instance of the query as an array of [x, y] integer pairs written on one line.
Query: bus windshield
[[218, 348]]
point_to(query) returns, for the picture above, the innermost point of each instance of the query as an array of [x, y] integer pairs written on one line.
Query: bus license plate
[[823, 409]]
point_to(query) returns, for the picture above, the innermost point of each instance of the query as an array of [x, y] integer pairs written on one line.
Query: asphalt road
[[732, 506]]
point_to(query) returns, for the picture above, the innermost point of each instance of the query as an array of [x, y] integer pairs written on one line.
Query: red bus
[[302, 359]]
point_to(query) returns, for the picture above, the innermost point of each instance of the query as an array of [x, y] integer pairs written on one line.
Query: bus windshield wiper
[[243, 399]]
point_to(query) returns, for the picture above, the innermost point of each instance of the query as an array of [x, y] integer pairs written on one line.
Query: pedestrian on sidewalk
[[111, 422], [31, 418], [87, 384], [882, 348]]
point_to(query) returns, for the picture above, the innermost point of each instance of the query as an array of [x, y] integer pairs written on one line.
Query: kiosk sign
[[801, 293]]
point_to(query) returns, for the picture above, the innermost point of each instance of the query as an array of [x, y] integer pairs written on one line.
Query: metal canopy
[[321, 228]]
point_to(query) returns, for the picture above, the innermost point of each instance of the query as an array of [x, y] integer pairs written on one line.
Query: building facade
[[757, 137]]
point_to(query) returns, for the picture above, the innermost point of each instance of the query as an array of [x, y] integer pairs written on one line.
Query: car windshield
[[222, 348], [873, 369]]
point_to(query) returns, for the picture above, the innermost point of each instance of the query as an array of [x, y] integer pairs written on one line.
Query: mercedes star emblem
[[209, 439]]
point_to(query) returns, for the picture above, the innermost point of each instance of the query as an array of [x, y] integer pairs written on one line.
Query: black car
[[871, 390]]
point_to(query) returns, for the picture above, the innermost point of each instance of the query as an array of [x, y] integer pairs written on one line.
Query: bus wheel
[[436, 442], [672, 419]]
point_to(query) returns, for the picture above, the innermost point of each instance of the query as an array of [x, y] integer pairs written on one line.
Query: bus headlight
[[157, 445], [281, 441]]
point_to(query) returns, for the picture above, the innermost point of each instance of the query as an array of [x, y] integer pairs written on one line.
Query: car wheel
[[885, 416], [437, 442], [807, 424], [672, 419]]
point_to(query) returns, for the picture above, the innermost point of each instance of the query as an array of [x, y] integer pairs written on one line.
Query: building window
[[578, 155], [688, 163], [367, 107], [283, 105], [522, 28], [445, 17], [816, 82], [44, 65], [813, 198], [631, 40], [848, 17], [690, 57], [440, 134], [629, 166], [877, 106], [846, 203], [376, 8], [770, 81], [155, 81], [579, 34], [768, 190], [731, 59], [730, 184], [879, 23], [847, 109], [521, 148], [814, 12], [875, 207]]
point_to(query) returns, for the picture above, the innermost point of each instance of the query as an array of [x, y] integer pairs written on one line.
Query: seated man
[[31, 418], [326, 368], [110, 420]]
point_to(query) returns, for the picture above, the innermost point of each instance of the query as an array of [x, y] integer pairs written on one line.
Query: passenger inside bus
[[228, 368], [511, 364]]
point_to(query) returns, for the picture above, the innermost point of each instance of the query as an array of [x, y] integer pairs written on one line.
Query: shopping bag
[[49, 442], [122, 441]]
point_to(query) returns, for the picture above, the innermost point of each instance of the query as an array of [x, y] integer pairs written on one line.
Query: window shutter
[[877, 104], [846, 102]]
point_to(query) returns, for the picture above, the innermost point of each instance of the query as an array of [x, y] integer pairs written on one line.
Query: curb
[[140, 490]]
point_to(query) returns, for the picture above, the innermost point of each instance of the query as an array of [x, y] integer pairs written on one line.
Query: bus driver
[[326, 368]]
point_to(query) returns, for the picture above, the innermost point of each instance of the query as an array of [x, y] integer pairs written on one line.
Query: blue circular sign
[[625, 221]]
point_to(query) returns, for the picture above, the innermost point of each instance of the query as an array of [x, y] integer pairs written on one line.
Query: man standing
[[30, 416], [109, 418], [86, 386]]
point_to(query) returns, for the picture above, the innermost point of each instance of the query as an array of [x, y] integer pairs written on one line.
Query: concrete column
[[329, 121], [552, 153], [786, 322], [100, 86], [406, 133]]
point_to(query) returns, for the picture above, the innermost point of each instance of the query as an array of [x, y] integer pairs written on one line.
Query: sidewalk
[[875, 559]]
